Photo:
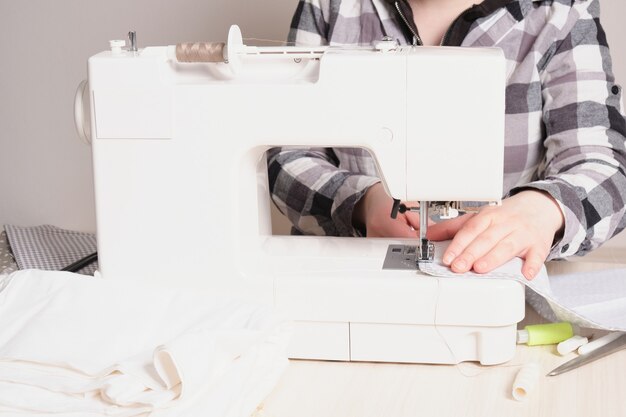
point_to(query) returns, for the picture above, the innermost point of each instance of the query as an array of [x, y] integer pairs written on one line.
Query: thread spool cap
[[117, 45], [522, 337]]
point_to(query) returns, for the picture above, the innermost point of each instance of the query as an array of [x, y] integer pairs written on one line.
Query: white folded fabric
[[73, 346]]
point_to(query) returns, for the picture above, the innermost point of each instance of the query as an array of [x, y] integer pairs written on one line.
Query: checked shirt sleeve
[[307, 185], [315, 195], [585, 164]]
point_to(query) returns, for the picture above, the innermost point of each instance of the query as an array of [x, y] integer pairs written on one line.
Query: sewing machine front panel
[[455, 127]]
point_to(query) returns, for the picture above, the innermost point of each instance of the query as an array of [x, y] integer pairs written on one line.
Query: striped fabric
[[50, 248], [565, 125], [7, 262]]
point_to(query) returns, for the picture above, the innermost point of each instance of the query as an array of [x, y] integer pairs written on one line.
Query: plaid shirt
[[564, 120]]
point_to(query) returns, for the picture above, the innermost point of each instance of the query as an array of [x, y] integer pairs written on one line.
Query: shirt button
[[615, 90], [565, 248]]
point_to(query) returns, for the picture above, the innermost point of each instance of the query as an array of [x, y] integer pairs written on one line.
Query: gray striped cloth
[[50, 248], [7, 263]]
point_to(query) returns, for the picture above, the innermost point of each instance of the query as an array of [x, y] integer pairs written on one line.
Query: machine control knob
[[386, 44]]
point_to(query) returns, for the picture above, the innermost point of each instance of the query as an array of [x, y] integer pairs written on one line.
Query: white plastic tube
[[595, 344], [571, 344], [525, 381]]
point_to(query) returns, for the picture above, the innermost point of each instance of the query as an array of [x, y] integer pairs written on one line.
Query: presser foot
[[425, 251], [405, 257]]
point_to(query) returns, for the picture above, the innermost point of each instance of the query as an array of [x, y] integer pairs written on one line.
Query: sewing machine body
[[182, 195]]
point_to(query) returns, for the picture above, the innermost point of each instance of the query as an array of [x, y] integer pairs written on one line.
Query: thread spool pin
[[132, 38]]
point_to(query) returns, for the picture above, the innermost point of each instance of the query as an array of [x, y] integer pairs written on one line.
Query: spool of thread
[[525, 381], [545, 334], [200, 52]]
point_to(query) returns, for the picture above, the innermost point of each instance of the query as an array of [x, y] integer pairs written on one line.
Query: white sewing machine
[[182, 195]]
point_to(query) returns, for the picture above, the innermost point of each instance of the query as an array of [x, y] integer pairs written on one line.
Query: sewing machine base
[[398, 343], [353, 309]]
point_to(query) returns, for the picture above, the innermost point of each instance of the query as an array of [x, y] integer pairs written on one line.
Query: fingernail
[[447, 259], [530, 274], [480, 266], [460, 264]]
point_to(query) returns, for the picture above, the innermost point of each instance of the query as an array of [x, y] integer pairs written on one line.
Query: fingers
[[447, 229], [505, 250], [398, 228], [388, 227], [533, 262], [413, 219], [495, 235], [470, 230], [483, 257]]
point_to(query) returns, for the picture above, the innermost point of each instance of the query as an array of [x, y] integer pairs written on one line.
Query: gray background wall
[[45, 171]]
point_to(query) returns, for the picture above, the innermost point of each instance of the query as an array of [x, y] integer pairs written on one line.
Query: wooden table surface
[[338, 389]]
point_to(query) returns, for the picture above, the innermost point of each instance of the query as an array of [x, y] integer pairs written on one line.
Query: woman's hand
[[525, 225], [374, 212]]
